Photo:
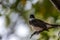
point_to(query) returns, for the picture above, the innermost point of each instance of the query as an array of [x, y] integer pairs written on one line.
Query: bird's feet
[[36, 32]]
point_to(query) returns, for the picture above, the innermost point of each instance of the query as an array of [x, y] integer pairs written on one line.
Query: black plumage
[[38, 23]]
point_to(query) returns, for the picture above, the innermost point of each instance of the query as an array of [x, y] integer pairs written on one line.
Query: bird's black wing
[[38, 23]]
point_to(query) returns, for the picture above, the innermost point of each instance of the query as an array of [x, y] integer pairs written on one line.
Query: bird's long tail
[[52, 25]]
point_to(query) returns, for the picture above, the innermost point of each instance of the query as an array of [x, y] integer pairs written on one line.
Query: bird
[[39, 25]]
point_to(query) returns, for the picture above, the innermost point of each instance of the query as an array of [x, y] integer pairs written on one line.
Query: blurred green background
[[42, 9]]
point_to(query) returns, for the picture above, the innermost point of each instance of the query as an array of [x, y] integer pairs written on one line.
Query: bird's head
[[32, 17]]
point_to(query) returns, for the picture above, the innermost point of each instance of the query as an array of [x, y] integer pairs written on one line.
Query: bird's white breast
[[36, 28], [31, 19]]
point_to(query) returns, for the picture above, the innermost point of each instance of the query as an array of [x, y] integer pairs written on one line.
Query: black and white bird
[[39, 25]]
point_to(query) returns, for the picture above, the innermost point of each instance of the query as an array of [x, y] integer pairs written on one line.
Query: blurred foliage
[[42, 11], [7, 20]]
